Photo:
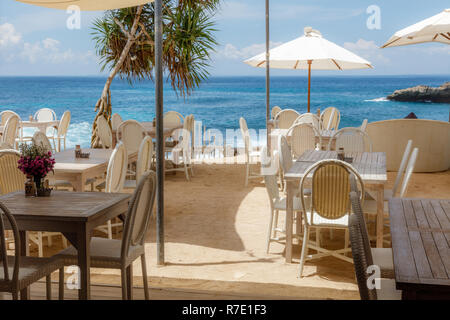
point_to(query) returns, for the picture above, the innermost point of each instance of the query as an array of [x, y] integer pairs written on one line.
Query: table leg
[[78, 184], [289, 214], [84, 263], [380, 215], [24, 251], [130, 282]]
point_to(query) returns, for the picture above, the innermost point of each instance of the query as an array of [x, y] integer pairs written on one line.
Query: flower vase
[[38, 182]]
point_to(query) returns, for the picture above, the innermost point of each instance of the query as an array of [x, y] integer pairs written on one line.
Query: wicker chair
[[329, 207], [382, 257], [286, 118], [10, 130], [249, 153], [40, 139], [173, 118], [363, 262], [275, 110], [115, 179], [144, 162], [61, 133], [131, 133], [310, 118], [45, 114], [116, 120], [302, 138], [5, 115], [352, 140], [5, 146], [19, 272], [104, 133], [120, 254], [330, 119]]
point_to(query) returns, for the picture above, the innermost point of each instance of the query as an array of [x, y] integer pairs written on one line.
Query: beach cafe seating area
[[304, 217]]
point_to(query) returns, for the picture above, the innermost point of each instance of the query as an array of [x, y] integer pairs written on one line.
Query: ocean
[[220, 101]]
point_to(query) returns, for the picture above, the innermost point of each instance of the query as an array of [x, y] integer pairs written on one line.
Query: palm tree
[[125, 44]]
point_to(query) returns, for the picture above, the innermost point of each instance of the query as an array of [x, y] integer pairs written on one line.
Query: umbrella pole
[[267, 77], [309, 85], [159, 134]]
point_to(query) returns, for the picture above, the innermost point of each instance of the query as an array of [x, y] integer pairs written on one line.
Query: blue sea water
[[220, 101]]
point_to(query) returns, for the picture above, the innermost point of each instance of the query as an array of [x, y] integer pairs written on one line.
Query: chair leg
[[331, 234], [347, 241], [318, 237], [130, 282], [123, 275], [15, 295], [247, 172], [275, 224], [61, 284], [304, 250], [269, 233], [48, 283], [40, 245], [144, 276], [49, 241], [109, 229]]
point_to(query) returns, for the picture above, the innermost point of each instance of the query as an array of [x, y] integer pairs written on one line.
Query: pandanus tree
[[125, 44]]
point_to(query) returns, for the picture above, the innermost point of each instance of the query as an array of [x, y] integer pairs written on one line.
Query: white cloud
[[229, 51], [368, 50], [8, 35], [49, 50]]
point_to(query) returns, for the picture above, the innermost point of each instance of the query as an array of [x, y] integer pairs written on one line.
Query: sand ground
[[215, 233]]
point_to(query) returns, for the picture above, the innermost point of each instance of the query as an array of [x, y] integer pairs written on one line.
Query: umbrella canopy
[[87, 5], [434, 29], [310, 52]]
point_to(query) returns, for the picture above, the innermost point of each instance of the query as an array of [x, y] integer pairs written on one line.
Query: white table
[[40, 125], [370, 165], [326, 136]]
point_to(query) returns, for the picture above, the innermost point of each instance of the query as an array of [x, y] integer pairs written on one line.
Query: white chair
[[364, 125], [115, 179], [104, 133], [5, 115], [330, 119], [275, 111], [41, 140], [120, 254], [286, 118], [352, 140], [310, 118], [302, 138], [328, 207], [131, 133], [116, 120], [172, 119], [10, 130], [181, 153], [277, 202], [44, 115], [144, 162], [5, 145], [213, 141], [249, 154], [61, 133]]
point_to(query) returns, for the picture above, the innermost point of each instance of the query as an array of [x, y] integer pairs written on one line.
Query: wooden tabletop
[[420, 230], [370, 165], [62, 205]]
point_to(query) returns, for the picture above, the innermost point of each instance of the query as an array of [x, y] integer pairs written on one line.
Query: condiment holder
[[79, 154]]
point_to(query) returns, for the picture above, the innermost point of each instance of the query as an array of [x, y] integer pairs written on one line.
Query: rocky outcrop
[[423, 94]]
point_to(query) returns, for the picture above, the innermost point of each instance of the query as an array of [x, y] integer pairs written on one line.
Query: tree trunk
[[103, 106]]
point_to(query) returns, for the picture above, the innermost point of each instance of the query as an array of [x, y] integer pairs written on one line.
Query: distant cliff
[[423, 94]]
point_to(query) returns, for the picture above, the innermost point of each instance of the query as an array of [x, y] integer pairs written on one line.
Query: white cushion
[[319, 221]]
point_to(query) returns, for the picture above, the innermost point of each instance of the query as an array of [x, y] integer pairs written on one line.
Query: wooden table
[[151, 131], [78, 171], [370, 165], [73, 214], [420, 230]]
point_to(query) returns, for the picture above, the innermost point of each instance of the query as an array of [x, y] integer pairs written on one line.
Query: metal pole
[[159, 133], [309, 85], [267, 74]]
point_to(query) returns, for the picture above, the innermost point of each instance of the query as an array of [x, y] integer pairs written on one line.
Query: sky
[[37, 41]]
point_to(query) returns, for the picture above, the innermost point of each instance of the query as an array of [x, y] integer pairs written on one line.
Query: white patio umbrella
[[310, 52], [87, 5], [434, 29]]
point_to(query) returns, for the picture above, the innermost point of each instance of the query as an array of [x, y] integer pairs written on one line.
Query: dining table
[[74, 214], [371, 166], [150, 130], [79, 170], [420, 233]]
